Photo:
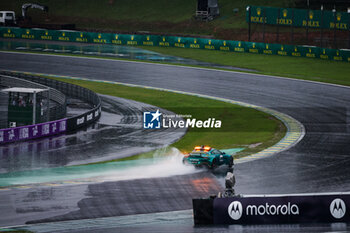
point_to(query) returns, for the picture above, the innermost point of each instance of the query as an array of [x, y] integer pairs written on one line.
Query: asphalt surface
[[86, 201], [319, 163], [119, 131], [105, 50]]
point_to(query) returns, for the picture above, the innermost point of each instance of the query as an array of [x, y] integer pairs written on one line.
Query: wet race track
[[319, 163], [119, 131]]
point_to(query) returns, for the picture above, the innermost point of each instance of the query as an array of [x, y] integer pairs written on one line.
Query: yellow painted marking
[[52, 184], [23, 187]]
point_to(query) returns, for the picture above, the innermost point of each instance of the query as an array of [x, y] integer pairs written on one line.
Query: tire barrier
[[59, 126], [273, 209], [174, 41]]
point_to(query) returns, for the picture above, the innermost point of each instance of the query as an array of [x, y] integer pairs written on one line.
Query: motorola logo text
[[338, 208], [289, 209], [235, 210]]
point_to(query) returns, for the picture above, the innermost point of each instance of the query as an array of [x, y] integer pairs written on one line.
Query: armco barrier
[[59, 126], [173, 41], [273, 209]]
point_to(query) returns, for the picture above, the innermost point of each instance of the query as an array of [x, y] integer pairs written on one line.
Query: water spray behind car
[[213, 158]]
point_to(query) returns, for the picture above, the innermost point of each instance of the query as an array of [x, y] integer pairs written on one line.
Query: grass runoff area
[[293, 67], [157, 16], [312, 69], [241, 126]]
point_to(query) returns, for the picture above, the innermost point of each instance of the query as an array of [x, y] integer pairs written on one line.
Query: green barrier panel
[[309, 51], [100, 38], [297, 51], [82, 37], [163, 41], [225, 45], [325, 54], [28, 34], [150, 40], [253, 47], [130, 40], [116, 39], [209, 44], [10, 33], [46, 35], [298, 17], [345, 55], [268, 49], [195, 43], [331, 54], [181, 42]]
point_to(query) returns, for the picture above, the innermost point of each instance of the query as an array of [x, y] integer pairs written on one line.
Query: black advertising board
[[76, 122], [272, 209]]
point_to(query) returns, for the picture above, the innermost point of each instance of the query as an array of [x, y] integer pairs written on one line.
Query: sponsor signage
[[83, 119], [339, 21], [298, 17], [33, 131], [274, 209]]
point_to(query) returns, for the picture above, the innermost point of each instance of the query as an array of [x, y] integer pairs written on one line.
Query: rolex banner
[[175, 41], [298, 17], [282, 209]]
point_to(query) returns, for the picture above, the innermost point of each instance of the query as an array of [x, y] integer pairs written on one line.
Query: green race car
[[210, 157]]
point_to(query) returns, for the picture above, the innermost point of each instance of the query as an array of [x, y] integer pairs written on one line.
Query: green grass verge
[[175, 16], [241, 126], [294, 67]]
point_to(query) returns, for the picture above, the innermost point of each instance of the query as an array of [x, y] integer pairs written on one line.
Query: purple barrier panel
[[33, 131], [10, 135]]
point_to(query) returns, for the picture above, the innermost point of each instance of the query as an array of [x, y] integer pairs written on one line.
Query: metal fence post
[[322, 22], [349, 29], [264, 19], [292, 28], [249, 22], [278, 24], [335, 29], [34, 108], [307, 25]]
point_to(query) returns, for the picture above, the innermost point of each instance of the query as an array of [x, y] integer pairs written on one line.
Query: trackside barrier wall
[[273, 209], [59, 126], [181, 42]]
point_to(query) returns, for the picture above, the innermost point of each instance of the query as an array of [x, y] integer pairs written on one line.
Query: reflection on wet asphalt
[[175, 221], [140, 196], [118, 133], [105, 50]]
